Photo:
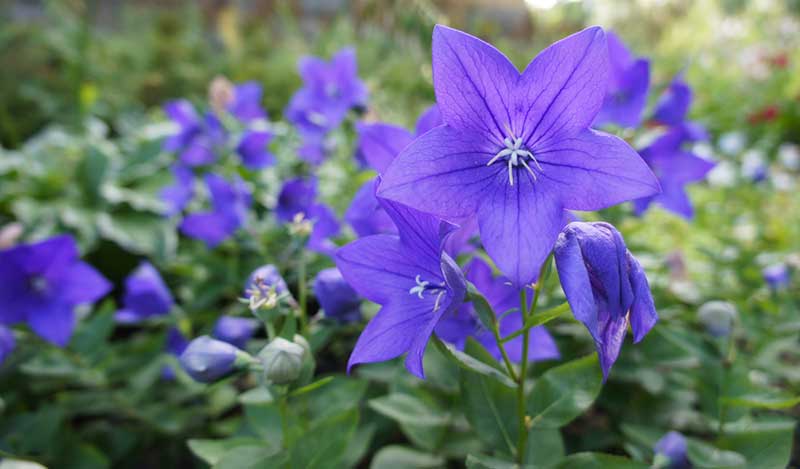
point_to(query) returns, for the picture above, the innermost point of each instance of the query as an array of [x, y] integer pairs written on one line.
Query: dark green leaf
[[407, 409], [391, 457], [599, 461], [564, 392]]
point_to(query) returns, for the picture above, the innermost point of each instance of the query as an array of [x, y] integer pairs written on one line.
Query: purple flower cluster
[[330, 89], [510, 153]]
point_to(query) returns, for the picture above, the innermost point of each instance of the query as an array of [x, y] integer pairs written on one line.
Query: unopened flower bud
[[717, 317], [282, 360], [207, 360]]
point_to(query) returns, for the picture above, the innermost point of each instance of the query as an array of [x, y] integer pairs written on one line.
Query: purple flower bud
[[336, 297], [605, 286], [718, 317], [7, 342], [146, 295], [776, 276], [235, 331], [207, 360], [673, 446]]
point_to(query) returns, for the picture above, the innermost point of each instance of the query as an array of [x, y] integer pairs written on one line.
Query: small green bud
[[282, 360]]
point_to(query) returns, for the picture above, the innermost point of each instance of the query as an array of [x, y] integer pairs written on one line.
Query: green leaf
[[480, 461], [324, 444], [763, 400], [545, 447], [310, 387], [407, 409], [471, 364], [390, 457], [212, 451], [763, 444], [702, 454], [564, 392], [141, 233], [599, 461], [481, 306], [547, 315], [490, 407], [251, 457], [92, 172]]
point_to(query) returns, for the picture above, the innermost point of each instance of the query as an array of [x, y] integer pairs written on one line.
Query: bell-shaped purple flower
[[234, 330], [230, 202], [252, 149], [198, 136], [516, 149], [146, 295], [378, 145], [776, 276], [413, 280], [673, 447], [503, 297], [336, 297], [7, 343], [674, 167], [674, 103], [246, 102], [298, 196], [41, 283], [177, 195], [628, 83], [605, 286], [207, 360]]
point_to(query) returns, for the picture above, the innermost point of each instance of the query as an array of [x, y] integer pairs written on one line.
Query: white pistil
[[515, 154], [419, 289]]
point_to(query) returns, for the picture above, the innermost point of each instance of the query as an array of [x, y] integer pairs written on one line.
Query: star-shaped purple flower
[[246, 103], [41, 283], [198, 136], [516, 149], [605, 286], [628, 83], [336, 297], [675, 168], [252, 149], [411, 277], [298, 196], [230, 202], [673, 105], [146, 295], [502, 297]]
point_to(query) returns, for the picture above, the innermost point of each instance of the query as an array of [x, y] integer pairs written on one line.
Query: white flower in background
[[723, 175], [754, 164], [789, 156], [731, 143], [783, 181]]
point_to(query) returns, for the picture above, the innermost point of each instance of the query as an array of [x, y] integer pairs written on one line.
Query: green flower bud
[[282, 360]]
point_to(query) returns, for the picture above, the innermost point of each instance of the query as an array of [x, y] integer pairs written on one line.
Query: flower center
[[39, 285], [515, 154], [422, 286]]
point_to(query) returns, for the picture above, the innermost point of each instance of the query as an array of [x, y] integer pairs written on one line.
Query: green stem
[[506, 360], [284, 411], [523, 429], [301, 281]]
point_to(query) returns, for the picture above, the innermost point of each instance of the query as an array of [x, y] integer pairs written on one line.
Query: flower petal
[[643, 315], [325, 227], [594, 170], [429, 119], [211, 227], [519, 225], [612, 333], [474, 83], [83, 284], [53, 321], [365, 215], [673, 105], [575, 281], [252, 149], [420, 232], [380, 143], [443, 172], [562, 89]]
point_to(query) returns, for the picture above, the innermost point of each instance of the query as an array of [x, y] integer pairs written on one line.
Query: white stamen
[[515, 154], [419, 289], [438, 298]]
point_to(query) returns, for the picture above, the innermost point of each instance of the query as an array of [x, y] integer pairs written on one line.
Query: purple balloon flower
[[298, 196], [146, 295], [41, 283], [235, 331], [246, 103], [516, 149], [776, 276], [252, 149], [378, 145], [336, 297], [7, 342], [197, 137], [207, 360], [230, 203], [410, 276], [179, 194], [673, 446], [502, 297], [673, 105], [605, 286], [675, 168], [628, 83], [175, 345]]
